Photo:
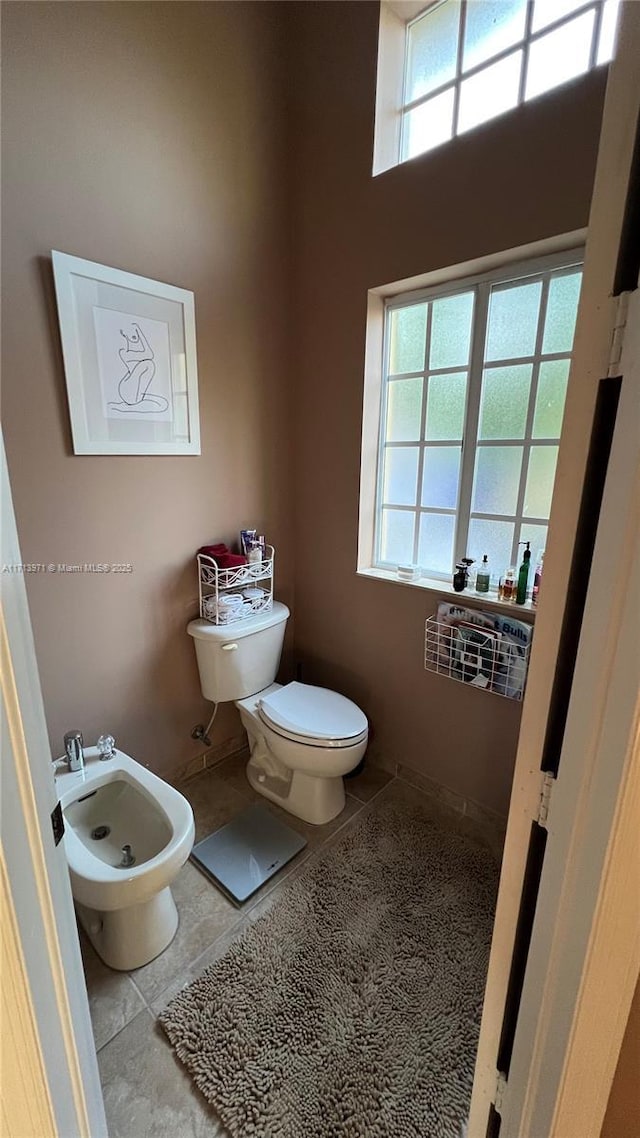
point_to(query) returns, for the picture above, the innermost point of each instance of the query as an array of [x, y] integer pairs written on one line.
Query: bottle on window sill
[[537, 577], [523, 575], [507, 586], [483, 576], [461, 575]]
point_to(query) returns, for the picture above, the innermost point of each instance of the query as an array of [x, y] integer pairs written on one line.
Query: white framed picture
[[129, 347]]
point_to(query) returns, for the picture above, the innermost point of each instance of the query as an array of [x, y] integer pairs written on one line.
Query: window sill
[[445, 588]]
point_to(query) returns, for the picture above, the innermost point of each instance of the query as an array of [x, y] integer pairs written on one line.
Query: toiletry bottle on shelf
[[461, 575], [507, 587], [523, 574], [483, 576], [254, 556], [537, 578]]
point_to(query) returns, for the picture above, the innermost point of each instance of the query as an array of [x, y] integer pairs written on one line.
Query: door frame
[[588, 889], [51, 1084], [584, 957]]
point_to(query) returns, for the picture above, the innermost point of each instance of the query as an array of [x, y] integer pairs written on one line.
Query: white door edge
[[583, 970], [596, 322], [36, 873]]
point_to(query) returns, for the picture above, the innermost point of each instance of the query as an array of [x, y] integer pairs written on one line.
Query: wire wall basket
[[483, 657], [230, 595]]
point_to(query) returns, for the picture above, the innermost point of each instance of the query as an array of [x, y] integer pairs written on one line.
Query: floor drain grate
[[100, 832]]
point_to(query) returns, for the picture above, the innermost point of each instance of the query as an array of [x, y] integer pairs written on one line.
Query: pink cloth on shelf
[[222, 556], [230, 560]]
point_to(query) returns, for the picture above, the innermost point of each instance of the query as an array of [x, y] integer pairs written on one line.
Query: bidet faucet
[[73, 749]]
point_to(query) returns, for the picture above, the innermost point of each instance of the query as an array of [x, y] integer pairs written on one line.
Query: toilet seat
[[314, 716]]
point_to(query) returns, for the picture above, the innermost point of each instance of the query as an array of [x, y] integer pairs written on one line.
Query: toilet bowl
[[302, 739], [127, 834]]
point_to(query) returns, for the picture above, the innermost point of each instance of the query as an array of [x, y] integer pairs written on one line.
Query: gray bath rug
[[352, 1008]]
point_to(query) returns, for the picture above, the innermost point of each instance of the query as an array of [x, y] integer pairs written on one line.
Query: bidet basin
[[115, 815], [127, 835]]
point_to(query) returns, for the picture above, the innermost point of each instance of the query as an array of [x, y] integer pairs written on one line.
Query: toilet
[[127, 835], [302, 739]]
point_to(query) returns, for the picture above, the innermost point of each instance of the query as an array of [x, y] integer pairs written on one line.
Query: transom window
[[469, 60], [473, 394]]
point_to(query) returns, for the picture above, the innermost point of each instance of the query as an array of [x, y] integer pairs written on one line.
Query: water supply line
[[202, 733]]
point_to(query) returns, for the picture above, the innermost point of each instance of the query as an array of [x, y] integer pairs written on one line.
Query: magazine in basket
[[486, 649]]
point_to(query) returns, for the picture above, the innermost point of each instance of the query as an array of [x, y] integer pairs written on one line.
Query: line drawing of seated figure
[[137, 356]]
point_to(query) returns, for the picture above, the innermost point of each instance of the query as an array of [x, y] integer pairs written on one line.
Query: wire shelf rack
[[230, 595], [476, 655]]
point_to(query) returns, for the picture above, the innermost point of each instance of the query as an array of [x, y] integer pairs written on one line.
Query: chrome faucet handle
[[73, 747], [106, 747]]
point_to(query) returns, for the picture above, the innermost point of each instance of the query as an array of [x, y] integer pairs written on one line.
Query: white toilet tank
[[239, 659]]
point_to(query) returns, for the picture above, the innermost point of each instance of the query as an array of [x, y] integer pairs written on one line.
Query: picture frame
[[129, 349]]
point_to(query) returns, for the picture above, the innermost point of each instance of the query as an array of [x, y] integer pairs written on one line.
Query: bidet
[[127, 835]]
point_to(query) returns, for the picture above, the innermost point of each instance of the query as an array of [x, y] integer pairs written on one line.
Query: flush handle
[[229, 647]]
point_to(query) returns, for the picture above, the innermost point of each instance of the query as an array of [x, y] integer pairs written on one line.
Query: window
[[466, 61], [473, 391]]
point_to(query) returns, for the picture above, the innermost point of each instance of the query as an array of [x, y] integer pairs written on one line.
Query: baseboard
[[376, 757], [450, 799], [212, 757]]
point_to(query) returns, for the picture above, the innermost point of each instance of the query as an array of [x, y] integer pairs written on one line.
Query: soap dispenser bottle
[[523, 574]]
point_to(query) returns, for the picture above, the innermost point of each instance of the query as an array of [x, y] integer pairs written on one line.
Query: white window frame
[[392, 109], [537, 268]]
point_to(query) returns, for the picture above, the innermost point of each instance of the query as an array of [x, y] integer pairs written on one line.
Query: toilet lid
[[313, 713]]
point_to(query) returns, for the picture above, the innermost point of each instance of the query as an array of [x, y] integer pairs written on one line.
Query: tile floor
[[146, 1090]]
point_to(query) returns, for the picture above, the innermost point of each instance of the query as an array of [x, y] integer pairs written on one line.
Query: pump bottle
[[523, 575]]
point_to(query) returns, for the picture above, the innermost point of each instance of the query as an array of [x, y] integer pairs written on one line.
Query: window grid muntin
[[423, 430], [533, 393], [557, 265], [523, 45]]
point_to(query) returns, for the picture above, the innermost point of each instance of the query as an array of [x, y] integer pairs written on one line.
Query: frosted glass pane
[[440, 476], [432, 49], [540, 479], [608, 29], [504, 402], [513, 321], [451, 331], [408, 329], [562, 309], [404, 410], [400, 476], [428, 125], [396, 536], [490, 92], [552, 389], [492, 26], [435, 549], [548, 11], [559, 56], [493, 538], [496, 481], [537, 536], [446, 396]]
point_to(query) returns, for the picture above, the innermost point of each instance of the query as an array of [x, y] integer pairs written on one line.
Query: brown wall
[[151, 137], [147, 137], [622, 1119], [524, 177]]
